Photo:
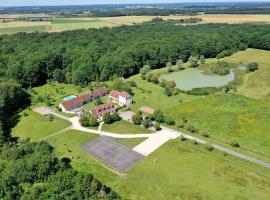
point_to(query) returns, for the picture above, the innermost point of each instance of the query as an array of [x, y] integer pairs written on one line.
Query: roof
[[84, 98], [68, 104], [116, 94], [99, 92], [102, 109]]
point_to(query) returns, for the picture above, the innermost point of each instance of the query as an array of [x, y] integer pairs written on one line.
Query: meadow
[[179, 169], [64, 24]]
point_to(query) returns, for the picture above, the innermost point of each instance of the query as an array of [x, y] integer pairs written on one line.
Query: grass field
[[124, 127], [64, 24], [178, 170], [36, 126]]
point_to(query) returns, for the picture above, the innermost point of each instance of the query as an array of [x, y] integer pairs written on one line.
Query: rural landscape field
[[141, 102], [65, 24]]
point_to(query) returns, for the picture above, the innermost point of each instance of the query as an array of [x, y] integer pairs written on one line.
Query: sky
[[86, 2]]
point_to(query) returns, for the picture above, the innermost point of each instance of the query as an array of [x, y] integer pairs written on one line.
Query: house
[[75, 104], [120, 97], [100, 110]]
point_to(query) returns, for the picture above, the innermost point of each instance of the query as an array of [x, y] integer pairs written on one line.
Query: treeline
[[31, 171], [82, 56], [142, 12]]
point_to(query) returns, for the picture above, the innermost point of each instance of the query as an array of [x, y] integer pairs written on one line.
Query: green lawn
[[27, 29], [178, 170], [152, 95], [68, 21], [92, 104], [124, 127], [130, 142], [36, 126], [230, 117]]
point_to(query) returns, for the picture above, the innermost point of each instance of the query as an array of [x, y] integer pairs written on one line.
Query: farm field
[[124, 127], [65, 24]]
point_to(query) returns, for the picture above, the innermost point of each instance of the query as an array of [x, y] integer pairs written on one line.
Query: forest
[[31, 170], [82, 56]]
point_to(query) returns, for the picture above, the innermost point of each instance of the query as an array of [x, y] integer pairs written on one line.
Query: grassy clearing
[[68, 20], [36, 126], [92, 104], [230, 117], [151, 95], [27, 29], [124, 127], [174, 171], [130, 142]]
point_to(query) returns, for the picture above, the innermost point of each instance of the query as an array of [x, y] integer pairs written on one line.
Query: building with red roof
[[100, 110], [73, 105]]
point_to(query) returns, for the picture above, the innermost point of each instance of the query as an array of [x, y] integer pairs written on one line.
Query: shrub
[[183, 138], [158, 116], [132, 83], [168, 120], [115, 117], [157, 126], [195, 142], [224, 54], [84, 121], [137, 119], [147, 123], [205, 134], [252, 67], [209, 147], [51, 117], [221, 68], [192, 129], [93, 121], [235, 144], [107, 119], [203, 91]]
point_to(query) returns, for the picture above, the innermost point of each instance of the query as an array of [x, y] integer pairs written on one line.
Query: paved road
[[154, 141], [147, 146]]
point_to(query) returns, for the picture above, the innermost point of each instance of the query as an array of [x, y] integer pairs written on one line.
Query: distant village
[[75, 104]]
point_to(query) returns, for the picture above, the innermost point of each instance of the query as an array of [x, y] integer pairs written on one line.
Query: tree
[[107, 119], [157, 126], [158, 116], [221, 68], [98, 102], [193, 61], [168, 120], [145, 69], [180, 64], [93, 121], [169, 67], [137, 119], [253, 66], [147, 123], [155, 79], [115, 117], [84, 121], [202, 59]]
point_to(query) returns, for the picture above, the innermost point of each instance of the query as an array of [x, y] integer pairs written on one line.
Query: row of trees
[[83, 56]]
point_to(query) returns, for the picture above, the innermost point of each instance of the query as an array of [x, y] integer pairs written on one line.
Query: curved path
[[153, 141]]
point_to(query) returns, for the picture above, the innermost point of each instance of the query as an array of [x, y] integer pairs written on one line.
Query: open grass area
[[130, 142], [178, 170], [36, 126], [152, 95], [230, 117], [27, 29], [93, 104], [70, 20], [124, 127]]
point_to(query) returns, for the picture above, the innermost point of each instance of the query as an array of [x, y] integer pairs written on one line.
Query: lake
[[193, 78]]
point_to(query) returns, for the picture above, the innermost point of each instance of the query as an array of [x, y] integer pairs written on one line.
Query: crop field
[[65, 24]]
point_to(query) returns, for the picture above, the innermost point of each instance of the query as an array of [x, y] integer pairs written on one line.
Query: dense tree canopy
[[82, 56]]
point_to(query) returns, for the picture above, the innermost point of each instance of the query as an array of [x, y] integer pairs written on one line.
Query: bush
[[157, 126], [224, 54], [51, 117], [252, 67], [93, 121], [209, 147], [137, 119], [203, 91], [168, 120], [235, 144], [221, 68], [158, 116], [115, 117], [107, 118], [132, 83], [84, 121], [192, 129], [147, 123], [183, 138], [205, 134]]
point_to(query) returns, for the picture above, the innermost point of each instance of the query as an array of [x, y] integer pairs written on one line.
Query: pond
[[194, 78]]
